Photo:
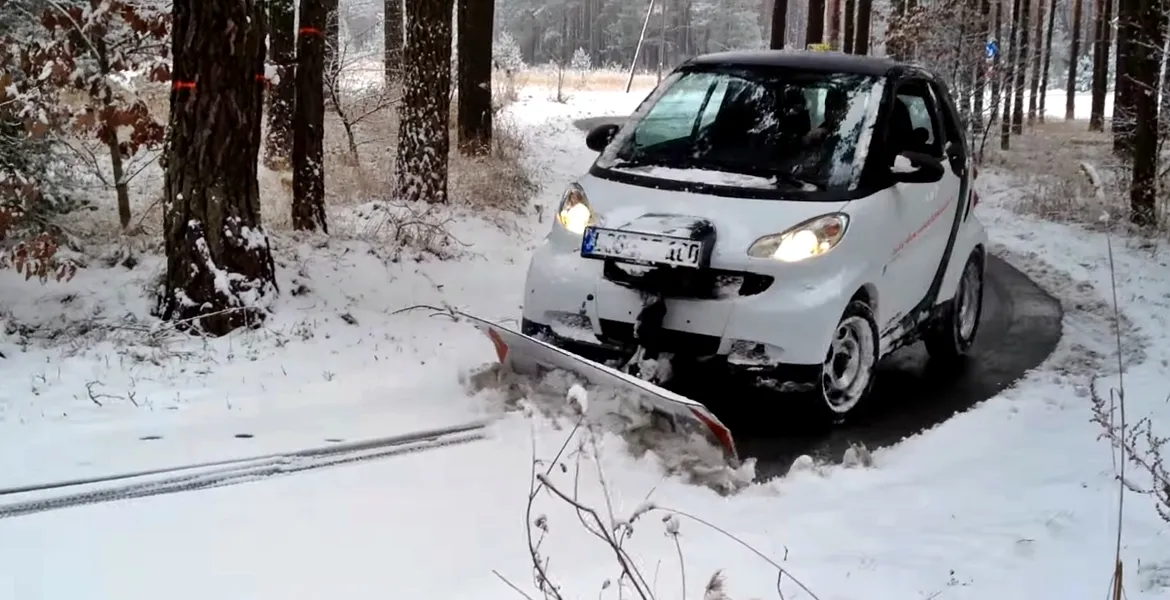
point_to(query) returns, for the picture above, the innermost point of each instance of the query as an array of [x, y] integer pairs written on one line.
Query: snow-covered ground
[[1014, 499]]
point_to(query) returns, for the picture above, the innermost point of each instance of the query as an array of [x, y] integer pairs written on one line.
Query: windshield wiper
[[791, 179], [675, 162], [780, 176]]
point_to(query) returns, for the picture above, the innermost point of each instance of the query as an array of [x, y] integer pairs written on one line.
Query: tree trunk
[[1143, 67], [423, 140], [281, 95], [332, 23], [475, 18], [1124, 92], [1037, 64], [109, 133], [1021, 69], [1164, 113], [779, 24], [219, 265], [308, 205], [392, 38], [833, 22], [1047, 59], [864, 14], [1101, 45], [996, 66], [1074, 55], [1010, 76], [962, 75], [815, 31], [850, 31], [981, 70]]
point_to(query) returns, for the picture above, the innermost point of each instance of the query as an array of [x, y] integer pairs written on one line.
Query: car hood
[[737, 221]]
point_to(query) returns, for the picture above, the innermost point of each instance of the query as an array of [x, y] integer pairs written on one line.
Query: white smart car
[[792, 215]]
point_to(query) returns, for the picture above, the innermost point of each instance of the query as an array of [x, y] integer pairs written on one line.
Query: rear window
[[749, 127]]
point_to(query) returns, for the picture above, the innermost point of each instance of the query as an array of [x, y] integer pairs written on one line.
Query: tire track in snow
[[244, 470]]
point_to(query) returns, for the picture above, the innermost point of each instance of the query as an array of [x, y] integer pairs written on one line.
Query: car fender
[[972, 235]]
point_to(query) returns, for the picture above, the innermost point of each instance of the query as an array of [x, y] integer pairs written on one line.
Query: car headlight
[[575, 214], [811, 238]]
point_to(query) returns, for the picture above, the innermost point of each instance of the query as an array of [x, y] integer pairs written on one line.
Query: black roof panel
[[833, 62]]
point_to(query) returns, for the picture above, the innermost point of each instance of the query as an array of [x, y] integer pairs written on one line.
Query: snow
[[903, 165], [1016, 498], [704, 176]]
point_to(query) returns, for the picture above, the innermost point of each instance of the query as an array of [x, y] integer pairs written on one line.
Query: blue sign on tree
[[992, 49]]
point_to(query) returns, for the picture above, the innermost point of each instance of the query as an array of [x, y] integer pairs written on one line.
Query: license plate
[[641, 247]]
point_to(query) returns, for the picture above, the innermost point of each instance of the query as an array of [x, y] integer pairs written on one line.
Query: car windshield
[[751, 127]]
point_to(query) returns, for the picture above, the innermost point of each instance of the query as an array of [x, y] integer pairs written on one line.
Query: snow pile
[[559, 397]]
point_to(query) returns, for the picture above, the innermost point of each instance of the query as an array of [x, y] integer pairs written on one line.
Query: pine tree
[[423, 136], [392, 38], [308, 205], [282, 94], [1074, 56], [219, 265], [475, 18]]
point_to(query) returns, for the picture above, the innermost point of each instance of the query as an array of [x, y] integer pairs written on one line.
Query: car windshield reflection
[[749, 127]]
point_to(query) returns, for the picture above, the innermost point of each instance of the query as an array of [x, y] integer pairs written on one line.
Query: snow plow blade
[[526, 355]]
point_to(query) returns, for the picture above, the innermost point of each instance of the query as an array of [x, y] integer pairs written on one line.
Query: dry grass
[[1047, 160], [498, 182], [593, 81]]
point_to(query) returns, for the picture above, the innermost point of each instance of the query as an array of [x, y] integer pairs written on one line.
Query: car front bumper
[[746, 321]]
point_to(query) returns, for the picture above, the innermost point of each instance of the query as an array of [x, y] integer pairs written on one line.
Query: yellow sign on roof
[[820, 47]]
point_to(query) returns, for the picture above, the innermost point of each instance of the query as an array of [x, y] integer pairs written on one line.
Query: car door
[[924, 212]]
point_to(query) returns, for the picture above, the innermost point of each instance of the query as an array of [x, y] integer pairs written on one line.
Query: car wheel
[[952, 336], [848, 371]]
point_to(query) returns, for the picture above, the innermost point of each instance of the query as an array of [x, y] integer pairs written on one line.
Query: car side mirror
[[916, 167], [599, 137]]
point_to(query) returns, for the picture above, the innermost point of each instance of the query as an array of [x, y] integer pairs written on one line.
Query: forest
[[73, 75]]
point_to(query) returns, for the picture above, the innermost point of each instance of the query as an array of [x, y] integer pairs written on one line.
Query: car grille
[[679, 342], [698, 284]]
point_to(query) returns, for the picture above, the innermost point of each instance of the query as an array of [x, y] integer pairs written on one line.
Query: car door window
[[673, 116], [914, 124], [952, 132]]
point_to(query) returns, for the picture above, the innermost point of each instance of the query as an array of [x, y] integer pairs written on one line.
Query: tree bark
[[815, 31], [779, 24], [833, 23], [996, 62], [332, 28], [1074, 55], [864, 14], [308, 205], [850, 31], [219, 265], [423, 137], [1101, 64], [1010, 76], [1021, 69], [1037, 64], [282, 94], [475, 18], [1149, 21], [1047, 59], [392, 38], [984, 28], [1124, 92]]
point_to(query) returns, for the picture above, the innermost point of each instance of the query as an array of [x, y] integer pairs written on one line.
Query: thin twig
[[623, 559], [512, 585], [1117, 589], [682, 565], [752, 549]]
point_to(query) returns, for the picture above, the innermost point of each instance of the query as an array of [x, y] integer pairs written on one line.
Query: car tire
[[950, 338], [851, 360]]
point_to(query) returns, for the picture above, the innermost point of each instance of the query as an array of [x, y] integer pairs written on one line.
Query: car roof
[[812, 60]]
